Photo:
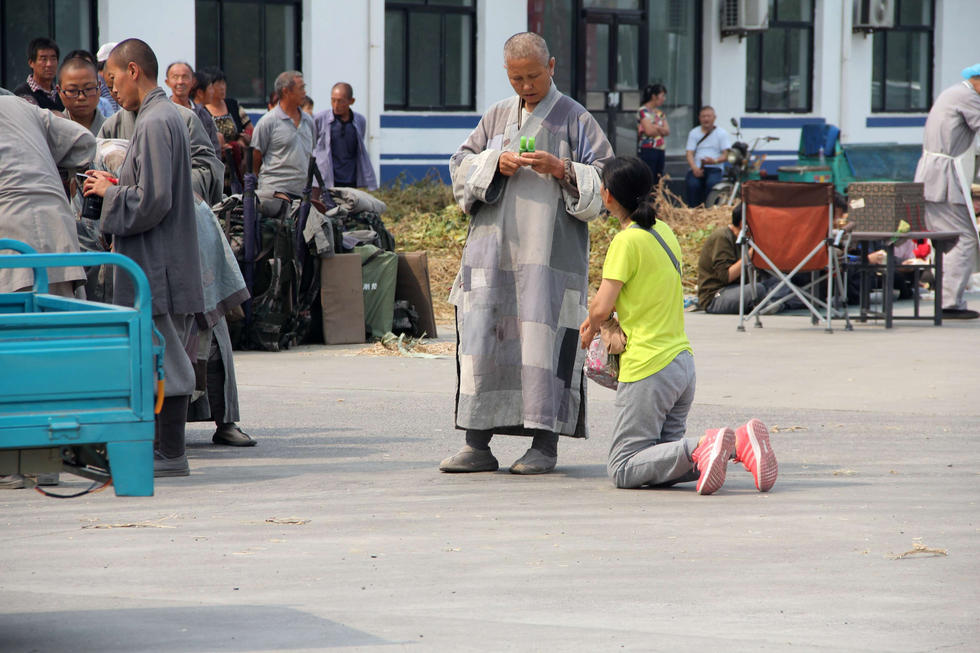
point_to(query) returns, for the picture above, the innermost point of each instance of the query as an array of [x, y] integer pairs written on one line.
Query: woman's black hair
[[630, 182], [215, 74], [650, 90], [201, 81]]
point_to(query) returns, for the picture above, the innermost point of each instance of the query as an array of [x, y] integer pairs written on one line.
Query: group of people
[[949, 138], [155, 203], [706, 151], [521, 297]]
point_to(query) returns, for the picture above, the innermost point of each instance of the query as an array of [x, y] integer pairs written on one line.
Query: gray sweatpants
[[649, 447], [961, 261]]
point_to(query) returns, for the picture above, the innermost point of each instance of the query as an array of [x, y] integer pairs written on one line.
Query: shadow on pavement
[[177, 630]]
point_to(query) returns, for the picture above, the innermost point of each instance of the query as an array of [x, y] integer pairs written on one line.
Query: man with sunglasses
[[78, 87]]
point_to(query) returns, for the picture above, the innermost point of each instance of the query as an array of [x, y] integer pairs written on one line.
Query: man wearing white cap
[[951, 128], [107, 103]]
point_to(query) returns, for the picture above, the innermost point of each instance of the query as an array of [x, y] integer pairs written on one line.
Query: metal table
[[942, 241]]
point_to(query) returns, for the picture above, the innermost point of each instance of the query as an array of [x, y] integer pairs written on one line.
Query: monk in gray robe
[[220, 403], [150, 215], [951, 128], [207, 170], [522, 288], [33, 205]]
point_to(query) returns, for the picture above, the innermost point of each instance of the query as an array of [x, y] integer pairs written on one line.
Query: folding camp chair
[[788, 228]]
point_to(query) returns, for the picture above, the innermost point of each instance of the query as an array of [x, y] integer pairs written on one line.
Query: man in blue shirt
[[707, 151]]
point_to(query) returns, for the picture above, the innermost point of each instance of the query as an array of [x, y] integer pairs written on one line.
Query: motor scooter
[[743, 165]]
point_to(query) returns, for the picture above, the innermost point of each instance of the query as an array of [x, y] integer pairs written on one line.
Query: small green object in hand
[[527, 144]]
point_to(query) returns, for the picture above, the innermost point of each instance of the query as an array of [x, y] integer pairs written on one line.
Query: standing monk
[[951, 127], [522, 287], [150, 214]]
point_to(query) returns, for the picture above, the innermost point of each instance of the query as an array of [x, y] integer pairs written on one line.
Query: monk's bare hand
[[98, 182], [509, 163], [586, 333], [544, 162]]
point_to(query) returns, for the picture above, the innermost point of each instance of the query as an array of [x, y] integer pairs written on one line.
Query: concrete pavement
[[876, 434]]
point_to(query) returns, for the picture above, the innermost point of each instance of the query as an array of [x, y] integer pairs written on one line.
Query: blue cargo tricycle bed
[[78, 377]]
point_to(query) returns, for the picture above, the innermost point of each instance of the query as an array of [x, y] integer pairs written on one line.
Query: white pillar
[[167, 27], [496, 22]]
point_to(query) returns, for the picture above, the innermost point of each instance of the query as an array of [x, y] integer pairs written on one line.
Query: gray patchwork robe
[[522, 288]]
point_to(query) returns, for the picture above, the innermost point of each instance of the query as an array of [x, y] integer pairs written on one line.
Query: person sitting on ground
[[641, 280], [42, 57], [720, 268], [78, 87], [284, 139]]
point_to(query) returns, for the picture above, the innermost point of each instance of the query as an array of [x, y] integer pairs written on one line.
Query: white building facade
[[423, 71]]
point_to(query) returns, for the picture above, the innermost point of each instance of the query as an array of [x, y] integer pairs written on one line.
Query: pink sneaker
[[753, 450], [711, 458]]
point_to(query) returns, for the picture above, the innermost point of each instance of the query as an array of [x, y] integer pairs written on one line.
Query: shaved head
[[527, 45], [138, 52], [76, 63]]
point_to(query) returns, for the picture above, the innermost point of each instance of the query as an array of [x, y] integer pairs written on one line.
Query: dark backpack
[[283, 288], [368, 220]]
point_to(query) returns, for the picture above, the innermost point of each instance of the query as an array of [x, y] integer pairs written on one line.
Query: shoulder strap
[[710, 131], [673, 259]]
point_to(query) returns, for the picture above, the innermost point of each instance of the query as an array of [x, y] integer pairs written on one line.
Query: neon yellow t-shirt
[[650, 305]]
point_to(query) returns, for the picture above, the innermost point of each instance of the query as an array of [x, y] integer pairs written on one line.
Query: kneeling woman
[[641, 281]]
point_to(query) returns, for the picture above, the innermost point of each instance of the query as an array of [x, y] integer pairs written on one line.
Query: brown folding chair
[[788, 228]]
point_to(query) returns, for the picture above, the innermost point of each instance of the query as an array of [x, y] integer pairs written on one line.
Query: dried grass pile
[[423, 216]]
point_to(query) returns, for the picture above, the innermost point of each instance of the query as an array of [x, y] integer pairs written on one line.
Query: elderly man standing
[[341, 153], [522, 287], [180, 78], [42, 57], [951, 128], [78, 86], [150, 214], [283, 139], [707, 151]]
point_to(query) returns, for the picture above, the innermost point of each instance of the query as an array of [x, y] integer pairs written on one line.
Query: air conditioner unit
[[743, 16], [873, 15]]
